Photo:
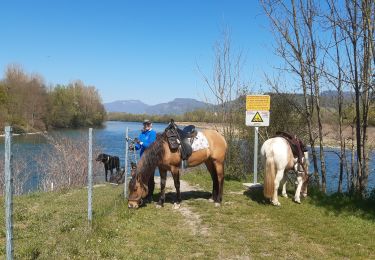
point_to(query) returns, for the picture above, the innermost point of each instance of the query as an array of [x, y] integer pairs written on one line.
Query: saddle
[[181, 139], [297, 146]]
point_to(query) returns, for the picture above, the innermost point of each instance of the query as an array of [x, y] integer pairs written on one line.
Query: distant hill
[[128, 106], [177, 106], [334, 94], [328, 98]]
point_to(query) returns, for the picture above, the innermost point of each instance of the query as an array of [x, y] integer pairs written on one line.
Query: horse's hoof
[[158, 206], [297, 200], [176, 205], [276, 203], [210, 200], [284, 195], [217, 204], [304, 195]]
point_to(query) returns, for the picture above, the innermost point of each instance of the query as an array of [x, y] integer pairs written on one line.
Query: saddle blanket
[[199, 142]]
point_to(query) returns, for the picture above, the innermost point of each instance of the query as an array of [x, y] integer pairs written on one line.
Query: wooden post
[[8, 193]]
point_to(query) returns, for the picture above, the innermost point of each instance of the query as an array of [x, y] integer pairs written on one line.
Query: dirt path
[[192, 219]]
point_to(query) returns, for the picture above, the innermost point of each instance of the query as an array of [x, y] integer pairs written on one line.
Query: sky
[[145, 50]]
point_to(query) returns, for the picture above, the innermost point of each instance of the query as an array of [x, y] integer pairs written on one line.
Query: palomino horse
[[160, 155], [278, 160]]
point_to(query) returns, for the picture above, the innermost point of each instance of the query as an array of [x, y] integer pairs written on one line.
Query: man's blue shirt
[[147, 138]]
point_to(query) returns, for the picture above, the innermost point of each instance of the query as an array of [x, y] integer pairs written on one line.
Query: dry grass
[[61, 164]]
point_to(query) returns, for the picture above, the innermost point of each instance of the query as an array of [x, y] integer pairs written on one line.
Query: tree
[[226, 87], [293, 25], [341, 54], [26, 98]]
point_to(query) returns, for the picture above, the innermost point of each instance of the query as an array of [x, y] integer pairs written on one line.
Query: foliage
[[27, 104], [75, 105], [119, 116], [286, 115]]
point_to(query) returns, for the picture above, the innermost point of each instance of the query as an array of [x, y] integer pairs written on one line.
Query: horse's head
[[137, 189]]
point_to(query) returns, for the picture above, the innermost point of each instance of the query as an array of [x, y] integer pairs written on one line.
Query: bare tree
[[356, 22], [226, 87], [293, 26], [336, 80]]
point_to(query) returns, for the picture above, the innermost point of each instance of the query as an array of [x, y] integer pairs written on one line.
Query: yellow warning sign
[[258, 102], [257, 118]]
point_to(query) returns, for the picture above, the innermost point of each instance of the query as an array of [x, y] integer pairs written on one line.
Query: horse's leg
[[278, 178], [298, 190], [163, 180], [283, 184], [211, 168], [151, 187], [176, 179], [220, 184]]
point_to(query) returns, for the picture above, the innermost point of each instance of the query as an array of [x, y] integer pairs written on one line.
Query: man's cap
[[146, 121]]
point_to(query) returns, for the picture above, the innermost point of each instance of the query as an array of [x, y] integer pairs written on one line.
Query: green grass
[[54, 226]]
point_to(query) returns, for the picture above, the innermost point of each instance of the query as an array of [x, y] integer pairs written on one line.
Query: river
[[110, 139]]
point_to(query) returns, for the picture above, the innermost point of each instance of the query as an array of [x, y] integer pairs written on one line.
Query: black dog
[[110, 163]]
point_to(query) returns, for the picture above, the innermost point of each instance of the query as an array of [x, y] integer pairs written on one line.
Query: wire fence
[[55, 163]]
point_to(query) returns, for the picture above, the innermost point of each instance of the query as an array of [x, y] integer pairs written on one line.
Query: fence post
[[89, 188], [126, 162], [8, 193]]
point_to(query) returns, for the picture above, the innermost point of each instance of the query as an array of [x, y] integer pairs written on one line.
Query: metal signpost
[[8, 193], [257, 114], [89, 210], [126, 162]]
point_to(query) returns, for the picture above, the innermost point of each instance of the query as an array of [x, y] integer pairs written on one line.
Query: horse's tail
[[269, 178]]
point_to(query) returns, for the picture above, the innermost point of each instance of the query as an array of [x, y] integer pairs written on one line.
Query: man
[[146, 137], [144, 141]]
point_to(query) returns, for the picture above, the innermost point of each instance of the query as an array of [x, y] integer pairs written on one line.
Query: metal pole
[[126, 163], [8, 193], [89, 206], [256, 155]]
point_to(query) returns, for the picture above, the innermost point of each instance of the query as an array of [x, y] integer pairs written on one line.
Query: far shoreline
[[29, 133]]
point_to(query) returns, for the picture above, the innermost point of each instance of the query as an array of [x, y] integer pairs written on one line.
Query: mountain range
[[182, 105], [176, 106]]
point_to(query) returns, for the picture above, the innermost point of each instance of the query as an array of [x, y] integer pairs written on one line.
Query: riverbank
[[24, 134], [54, 225], [332, 137], [330, 133]]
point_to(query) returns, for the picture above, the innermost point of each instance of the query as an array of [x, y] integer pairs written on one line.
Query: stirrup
[[184, 164]]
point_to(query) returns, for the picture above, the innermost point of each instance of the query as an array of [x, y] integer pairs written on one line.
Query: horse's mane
[[151, 158]]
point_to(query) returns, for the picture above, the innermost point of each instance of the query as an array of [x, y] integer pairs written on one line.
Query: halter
[[139, 201]]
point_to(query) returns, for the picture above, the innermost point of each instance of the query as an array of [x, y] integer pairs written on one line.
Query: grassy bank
[[54, 226]]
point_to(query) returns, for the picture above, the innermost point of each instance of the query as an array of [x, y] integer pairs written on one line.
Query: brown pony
[[160, 155]]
